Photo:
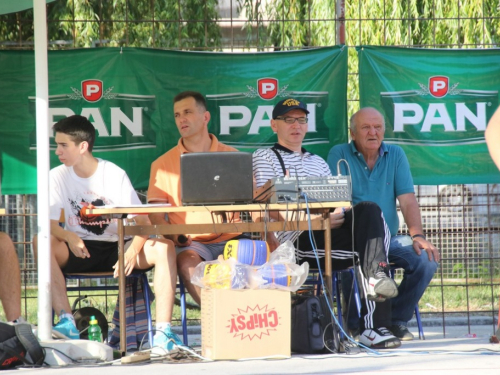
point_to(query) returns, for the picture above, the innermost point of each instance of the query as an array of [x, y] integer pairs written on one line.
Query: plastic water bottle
[[95, 333]]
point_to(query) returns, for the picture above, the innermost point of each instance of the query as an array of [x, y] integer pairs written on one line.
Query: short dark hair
[[198, 97], [79, 128]]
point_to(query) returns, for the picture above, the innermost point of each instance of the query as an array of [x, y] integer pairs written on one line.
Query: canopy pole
[[43, 167]]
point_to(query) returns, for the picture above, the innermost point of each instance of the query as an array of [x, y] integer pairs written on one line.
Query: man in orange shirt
[[191, 118]]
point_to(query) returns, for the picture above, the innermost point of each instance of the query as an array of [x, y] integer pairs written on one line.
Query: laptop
[[210, 178]]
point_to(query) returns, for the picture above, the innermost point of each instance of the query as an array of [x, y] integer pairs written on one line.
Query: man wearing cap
[[364, 223], [191, 118], [381, 173]]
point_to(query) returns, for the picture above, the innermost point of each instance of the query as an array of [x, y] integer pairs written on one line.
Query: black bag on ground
[[307, 333], [311, 328], [331, 332], [18, 346]]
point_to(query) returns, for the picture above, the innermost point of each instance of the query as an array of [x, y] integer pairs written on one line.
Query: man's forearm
[[159, 219], [57, 231], [411, 214]]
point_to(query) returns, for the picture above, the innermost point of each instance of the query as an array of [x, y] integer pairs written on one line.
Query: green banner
[[437, 104], [128, 95]]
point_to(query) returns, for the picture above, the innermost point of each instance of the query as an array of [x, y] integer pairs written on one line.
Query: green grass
[[451, 297], [454, 296], [98, 300]]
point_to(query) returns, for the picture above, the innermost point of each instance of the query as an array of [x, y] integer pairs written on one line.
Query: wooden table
[[124, 229]]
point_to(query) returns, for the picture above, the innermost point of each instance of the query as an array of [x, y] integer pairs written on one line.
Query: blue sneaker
[[67, 328], [165, 341]]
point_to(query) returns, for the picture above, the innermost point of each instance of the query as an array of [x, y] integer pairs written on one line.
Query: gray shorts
[[207, 251]]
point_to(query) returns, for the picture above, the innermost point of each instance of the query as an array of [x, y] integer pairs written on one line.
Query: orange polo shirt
[[165, 187]]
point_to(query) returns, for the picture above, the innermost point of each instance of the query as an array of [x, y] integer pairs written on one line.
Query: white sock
[[18, 320], [162, 327], [68, 316]]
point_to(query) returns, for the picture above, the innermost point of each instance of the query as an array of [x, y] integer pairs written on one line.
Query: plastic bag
[[220, 274], [284, 253], [280, 272], [285, 276]]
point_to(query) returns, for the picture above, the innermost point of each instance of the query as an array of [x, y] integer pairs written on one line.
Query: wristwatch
[[418, 235]]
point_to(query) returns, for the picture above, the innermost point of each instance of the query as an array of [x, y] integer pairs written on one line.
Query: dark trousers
[[362, 239]]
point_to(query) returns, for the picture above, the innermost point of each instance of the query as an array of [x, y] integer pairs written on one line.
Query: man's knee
[[186, 261], [367, 207], [160, 250], [6, 246], [429, 266], [411, 262], [5, 239]]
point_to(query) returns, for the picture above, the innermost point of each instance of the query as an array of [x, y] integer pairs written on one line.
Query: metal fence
[[462, 220]]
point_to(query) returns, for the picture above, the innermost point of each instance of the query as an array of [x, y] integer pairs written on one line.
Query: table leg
[[121, 288], [328, 253]]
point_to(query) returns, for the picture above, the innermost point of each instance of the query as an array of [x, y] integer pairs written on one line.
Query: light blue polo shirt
[[390, 177]]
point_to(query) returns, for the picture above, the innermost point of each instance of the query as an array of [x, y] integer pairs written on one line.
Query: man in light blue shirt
[[381, 174]]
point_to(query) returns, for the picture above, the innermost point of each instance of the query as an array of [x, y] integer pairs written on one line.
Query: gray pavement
[[461, 350]]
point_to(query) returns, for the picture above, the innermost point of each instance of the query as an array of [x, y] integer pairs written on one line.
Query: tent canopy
[[12, 6]]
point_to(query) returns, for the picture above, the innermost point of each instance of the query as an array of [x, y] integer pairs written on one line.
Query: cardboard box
[[238, 324]]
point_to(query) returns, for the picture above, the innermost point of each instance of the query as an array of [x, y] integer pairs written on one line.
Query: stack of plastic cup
[[253, 253], [276, 274]]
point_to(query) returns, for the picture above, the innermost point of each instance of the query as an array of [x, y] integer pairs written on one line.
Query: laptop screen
[[209, 178]]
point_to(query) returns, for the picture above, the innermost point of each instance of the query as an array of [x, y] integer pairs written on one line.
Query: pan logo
[[250, 323], [438, 114], [438, 86], [242, 123], [122, 120], [268, 88], [92, 90]]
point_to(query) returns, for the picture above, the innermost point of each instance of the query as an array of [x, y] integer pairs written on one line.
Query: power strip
[[136, 357]]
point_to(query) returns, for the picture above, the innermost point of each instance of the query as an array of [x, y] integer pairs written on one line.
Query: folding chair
[[182, 299]]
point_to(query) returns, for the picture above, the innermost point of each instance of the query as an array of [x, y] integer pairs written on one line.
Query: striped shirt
[[266, 165]]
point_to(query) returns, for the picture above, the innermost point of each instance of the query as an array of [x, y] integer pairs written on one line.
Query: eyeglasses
[[291, 120]]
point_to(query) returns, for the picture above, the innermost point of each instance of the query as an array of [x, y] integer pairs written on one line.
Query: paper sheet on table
[[135, 205], [131, 215]]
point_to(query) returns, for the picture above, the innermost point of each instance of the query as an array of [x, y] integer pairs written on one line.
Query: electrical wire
[[349, 301], [323, 282], [369, 351]]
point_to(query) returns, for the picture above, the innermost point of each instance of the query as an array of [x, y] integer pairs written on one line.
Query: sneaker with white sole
[[67, 328], [382, 286], [401, 332], [379, 338], [354, 333], [165, 342]]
